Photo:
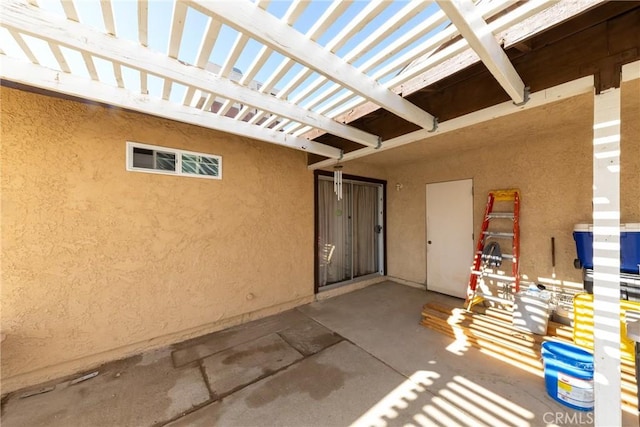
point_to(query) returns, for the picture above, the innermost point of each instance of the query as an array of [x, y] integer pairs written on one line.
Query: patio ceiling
[[310, 61]]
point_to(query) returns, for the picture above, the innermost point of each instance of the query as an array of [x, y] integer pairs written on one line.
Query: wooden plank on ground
[[491, 331]]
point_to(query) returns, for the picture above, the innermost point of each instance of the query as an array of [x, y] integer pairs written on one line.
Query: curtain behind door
[[334, 234], [365, 220]]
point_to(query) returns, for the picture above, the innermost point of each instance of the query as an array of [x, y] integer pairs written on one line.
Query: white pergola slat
[[24, 46], [57, 53], [70, 10], [143, 83], [91, 66], [469, 22], [117, 72], [76, 36], [204, 51], [53, 80], [236, 50], [143, 20], [177, 28], [265, 28], [107, 15]]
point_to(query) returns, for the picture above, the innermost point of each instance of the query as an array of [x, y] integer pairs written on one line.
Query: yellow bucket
[[583, 324]]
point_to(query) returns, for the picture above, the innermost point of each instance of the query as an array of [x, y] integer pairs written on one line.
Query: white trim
[[178, 153]]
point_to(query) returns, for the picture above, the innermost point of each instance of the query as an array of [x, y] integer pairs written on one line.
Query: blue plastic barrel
[[568, 374]]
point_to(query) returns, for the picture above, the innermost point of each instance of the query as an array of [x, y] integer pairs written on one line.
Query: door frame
[[383, 183], [471, 213]]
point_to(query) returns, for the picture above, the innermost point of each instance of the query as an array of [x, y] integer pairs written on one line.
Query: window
[[171, 161]]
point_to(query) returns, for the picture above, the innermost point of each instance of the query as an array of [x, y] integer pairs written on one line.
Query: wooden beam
[[537, 99], [469, 22], [143, 83], [204, 51], [91, 67], [38, 23], [383, 31], [388, 27], [57, 53], [178, 18], [267, 29], [295, 10], [70, 10], [107, 15], [24, 46], [56, 81], [321, 25], [419, 75], [143, 21], [336, 43], [400, 43], [117, 72]]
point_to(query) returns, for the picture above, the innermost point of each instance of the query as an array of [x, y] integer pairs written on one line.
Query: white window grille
[[172, 161]]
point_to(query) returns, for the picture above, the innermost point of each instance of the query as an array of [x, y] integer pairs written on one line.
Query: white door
[[449, 236]]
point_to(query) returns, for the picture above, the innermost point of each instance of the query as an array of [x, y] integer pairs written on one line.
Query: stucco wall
[[99, 262], [545, 152]]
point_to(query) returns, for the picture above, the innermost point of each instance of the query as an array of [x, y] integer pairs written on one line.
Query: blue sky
[[160, 12]]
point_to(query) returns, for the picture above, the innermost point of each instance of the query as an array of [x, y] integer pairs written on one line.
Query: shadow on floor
[[359, 359]]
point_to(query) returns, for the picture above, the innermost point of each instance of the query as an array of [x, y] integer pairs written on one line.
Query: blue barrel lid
[[567, 351]]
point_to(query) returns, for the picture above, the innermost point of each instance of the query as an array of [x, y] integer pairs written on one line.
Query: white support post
[[606, 258]]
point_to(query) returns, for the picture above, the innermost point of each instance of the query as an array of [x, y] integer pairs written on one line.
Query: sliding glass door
[[350, 237]]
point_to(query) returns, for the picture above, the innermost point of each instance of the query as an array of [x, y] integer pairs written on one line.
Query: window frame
[[130, 145]]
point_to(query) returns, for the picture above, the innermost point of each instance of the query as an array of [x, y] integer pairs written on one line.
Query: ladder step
[[504, 195], [505, 215], [494, 276], [504, 256], [497, 234]]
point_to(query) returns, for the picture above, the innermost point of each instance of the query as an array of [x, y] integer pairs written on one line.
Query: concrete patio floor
[[358, 359]]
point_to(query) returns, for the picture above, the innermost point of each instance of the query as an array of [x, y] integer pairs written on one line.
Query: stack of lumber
[[491, 331]]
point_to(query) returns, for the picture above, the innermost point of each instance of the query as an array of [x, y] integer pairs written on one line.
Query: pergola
[[319, 78]]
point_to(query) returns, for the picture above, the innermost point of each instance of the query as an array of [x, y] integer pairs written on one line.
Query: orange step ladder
[[488, 250]]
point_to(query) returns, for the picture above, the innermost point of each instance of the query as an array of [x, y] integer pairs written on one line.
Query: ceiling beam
[[56, 81], [536, 99], [52, 28], [267, 29], [468, 20]]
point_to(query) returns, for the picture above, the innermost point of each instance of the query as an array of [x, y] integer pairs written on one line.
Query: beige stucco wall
[[98, 262], [545, 152]]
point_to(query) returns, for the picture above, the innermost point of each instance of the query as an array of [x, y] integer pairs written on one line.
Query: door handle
[[429, 241]]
